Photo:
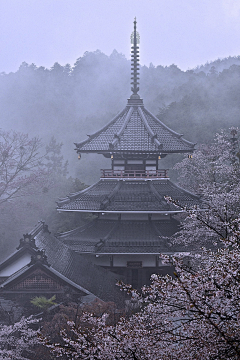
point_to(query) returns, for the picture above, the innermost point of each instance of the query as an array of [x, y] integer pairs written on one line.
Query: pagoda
[[133, 220]]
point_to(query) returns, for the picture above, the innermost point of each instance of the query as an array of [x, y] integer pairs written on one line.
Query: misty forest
[[65, 104], [193, 314]]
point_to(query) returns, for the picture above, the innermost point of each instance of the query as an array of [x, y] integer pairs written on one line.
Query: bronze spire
[[135, 40]]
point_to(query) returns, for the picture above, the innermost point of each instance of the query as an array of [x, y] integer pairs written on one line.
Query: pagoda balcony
[[109, 173]]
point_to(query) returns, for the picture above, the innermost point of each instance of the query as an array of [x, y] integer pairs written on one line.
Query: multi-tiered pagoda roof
[[129, 195], [135, 140], [123, 237], [135, 218], [135, 131]]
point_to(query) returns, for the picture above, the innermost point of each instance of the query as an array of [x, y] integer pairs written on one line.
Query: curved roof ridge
[[117, 136], [14, 275], [108, 197], [82, 227], [184, 190], [15, 255], [155, 191], [28, 267], [157, 231], [102, 242], [71, 196], [147, 126], [115, 226], [128, 116], [125, 196], [168, 128], [37, 228], [102, 129]]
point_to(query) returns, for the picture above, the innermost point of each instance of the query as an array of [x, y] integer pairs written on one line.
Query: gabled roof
[[70, 266], [20, 257], [12, 283], [15, 256], [135, 130], [130, 196], [76, 267]]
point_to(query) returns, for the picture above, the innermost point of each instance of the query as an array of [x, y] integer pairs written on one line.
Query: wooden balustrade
[[109, 173]]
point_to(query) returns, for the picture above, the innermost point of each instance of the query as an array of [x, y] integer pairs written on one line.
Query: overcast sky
[[184, 32]]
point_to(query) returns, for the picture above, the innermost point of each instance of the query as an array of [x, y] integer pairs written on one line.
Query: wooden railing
[[109, 173]]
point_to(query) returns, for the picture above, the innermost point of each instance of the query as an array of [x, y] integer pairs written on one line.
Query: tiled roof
[[135, 130], [123, 236], [128, 196], [73, 267], [28, 268]]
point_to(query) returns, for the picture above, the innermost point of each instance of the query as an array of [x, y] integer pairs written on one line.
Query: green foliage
[[43, 303]]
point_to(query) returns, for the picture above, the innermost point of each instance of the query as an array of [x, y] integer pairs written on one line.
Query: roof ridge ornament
[[27, 241], [40, 258]]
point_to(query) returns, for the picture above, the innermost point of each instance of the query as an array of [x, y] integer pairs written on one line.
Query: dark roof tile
[[76, 267], [122, 236], [128, 195], [135, 129]]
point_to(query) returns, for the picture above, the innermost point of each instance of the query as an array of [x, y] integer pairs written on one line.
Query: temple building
[[132, 223], [43, 266], [133, 219]]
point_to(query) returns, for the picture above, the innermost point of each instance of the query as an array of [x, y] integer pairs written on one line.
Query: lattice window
[[38, 280]]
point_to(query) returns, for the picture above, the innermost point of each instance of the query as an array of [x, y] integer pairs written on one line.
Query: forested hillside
[[219, 64], [71, 102]]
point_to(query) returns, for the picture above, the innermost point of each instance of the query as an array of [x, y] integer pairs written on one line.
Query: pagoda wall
[[123, 260], [133, 216]]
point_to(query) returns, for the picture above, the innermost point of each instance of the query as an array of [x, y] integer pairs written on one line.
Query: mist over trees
[[191, 316], [32, 177], [194, 315], [71, 102], [62, 105]]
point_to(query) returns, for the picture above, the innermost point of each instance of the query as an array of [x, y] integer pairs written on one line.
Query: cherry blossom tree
[[191, 316], [17, 341], [213, 173], [20, 164], [196, 314]]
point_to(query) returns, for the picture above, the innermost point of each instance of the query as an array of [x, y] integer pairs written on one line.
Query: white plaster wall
[[16, 265], [147, 260], [102, 260], [121, 260]]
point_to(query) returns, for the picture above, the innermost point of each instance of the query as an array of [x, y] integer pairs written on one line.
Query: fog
[[41, 96], [186, 32], [71, 102]]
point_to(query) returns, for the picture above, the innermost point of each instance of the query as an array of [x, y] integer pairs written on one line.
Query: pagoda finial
[[135, 40]]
